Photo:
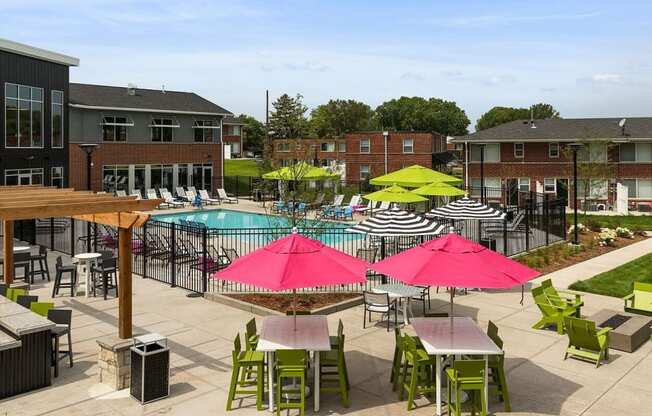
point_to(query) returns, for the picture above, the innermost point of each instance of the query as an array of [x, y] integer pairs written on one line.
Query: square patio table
[[464, 338], [278, 333]]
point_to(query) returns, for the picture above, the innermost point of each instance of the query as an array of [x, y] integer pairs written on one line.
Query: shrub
[[624, 232], [592, 225], [607, 237]]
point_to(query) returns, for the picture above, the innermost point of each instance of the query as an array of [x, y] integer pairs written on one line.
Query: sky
[[587, 58]]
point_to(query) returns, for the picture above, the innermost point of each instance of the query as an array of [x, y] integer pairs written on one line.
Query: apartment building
[[233, 137], [329, 153], [34, 92], [533, 155], [145, 138]]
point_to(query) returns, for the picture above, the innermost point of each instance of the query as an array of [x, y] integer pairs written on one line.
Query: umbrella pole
[[294, 307], [452, 290]]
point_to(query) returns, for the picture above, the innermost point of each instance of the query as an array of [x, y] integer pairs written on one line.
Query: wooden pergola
[[32, 202]]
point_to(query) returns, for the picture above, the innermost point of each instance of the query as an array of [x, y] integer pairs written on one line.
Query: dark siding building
[[34, 116]]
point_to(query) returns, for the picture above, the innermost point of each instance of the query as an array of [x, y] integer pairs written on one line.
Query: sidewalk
[[589, 268]]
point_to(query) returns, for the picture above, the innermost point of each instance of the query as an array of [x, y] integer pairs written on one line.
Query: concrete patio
[[201, 335]]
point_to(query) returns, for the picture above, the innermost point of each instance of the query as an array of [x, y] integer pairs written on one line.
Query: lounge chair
[[167, 197], [151, 194], [585, 342], [640, 300], [120, 193], [319, 200], [136, 193], [192, 189], [384, 206], [300, 209], [345, 213], [221, 193], [355, 201], [562, 298], [515, 226], [371, 205], [337, 200], [552, 314], [207, 198], [181, 194], [192, 195]]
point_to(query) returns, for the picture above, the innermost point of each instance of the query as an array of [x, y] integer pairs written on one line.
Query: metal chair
[[23, 260], [26, 300], [59, 282], [107, 270], [379, 303], [42, 260], [63, 320]]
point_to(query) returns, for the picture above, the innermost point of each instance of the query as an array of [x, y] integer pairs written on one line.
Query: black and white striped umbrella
[[466, 209], [396, 222]]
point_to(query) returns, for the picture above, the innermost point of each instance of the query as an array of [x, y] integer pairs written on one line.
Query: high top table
[[464, 337], [86, 262], [278, 333], [400, 291]]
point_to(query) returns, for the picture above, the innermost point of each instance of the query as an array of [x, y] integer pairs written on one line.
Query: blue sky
[[587, 58]]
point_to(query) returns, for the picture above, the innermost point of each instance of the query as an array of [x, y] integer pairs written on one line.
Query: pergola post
[[124, 283], [8, 247]]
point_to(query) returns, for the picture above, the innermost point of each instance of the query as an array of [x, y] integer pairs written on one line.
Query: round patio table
[[20, 249], [400, 291], [86, 260]]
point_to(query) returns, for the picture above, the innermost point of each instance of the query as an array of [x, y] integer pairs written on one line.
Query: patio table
[[86, 260], [400, 291], [278, 333], [463, 338]]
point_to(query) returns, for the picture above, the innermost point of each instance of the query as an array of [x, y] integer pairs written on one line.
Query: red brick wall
[[134, 154], [231, 139], [307, 150]]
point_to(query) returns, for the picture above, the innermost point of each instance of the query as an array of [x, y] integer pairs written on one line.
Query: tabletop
[[87, 256], [278, 333], [18, 249], [398, 290], [465, 338]]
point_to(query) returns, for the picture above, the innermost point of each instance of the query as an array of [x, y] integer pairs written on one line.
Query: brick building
[[146, 138], [533, 155], [321, 152], [233, 137]]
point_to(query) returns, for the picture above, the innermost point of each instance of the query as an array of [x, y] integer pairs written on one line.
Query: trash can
[[150, 368]]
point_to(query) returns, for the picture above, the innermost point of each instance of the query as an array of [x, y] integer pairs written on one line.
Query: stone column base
[[115, 362]]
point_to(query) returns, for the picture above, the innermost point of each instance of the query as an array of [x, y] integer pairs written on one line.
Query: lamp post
[[482, 196], [88, 148], [575, 147]]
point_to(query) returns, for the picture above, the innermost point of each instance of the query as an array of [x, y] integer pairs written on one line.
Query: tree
[[500, 115], [418, 113], [253, 132], [338, 117], [287, 120], [593, 169]]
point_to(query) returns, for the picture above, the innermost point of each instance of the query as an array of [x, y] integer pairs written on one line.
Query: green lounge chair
[[586, 342], [562, 297], [640, 300], [552, 314]]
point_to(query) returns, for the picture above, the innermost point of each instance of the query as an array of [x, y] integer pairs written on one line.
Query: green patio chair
[[466, 375], [497, 367], [335, 339], [242, 361], [552, 314], [417, 367], [584, 341], [640, 300], [291, 364], [563, 298], [333, 375], [12, 294], [251, 332], [41, 308], [397, 362]]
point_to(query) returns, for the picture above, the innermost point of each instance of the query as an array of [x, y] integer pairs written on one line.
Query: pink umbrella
[[454, 261], [295, 262]]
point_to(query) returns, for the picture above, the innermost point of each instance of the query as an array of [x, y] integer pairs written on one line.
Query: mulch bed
[[305, 302], [560, 255]]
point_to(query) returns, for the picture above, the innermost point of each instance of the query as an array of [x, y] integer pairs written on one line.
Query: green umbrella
[[300, 172], [413, 177], [394, 194], [439, 189]]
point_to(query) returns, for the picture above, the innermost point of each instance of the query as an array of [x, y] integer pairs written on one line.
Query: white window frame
[[411, 147], [200, 125], [636, 189], [161, 125], [52, 170], [368, 141], [486, 160], [283, 147], [63, 122], [341, 147], [128, 123], [26, 171], [550, 147], [528, 184], [364, 178], [18, 99], [522, 152], [329, 145], [554, 185], [490, 183]]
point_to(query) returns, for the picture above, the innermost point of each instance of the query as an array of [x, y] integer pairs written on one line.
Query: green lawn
[[619, 281], [611, 221], [235, 167]]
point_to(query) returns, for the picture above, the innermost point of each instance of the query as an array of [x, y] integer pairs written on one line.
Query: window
[[24, 176], [550, 185], [459, 146], [114, 129], [408, 145], [492, 187], [56, 177], [636, 152], [162, 176], [593, 152], [139, 178], [328, 147], [235, 130], [524, 184], [204, 130], [342, 147], [23, 116], [162, 129], [592, 188], [57, 119], [202, 176], [638, 188], [491, 152], [519, 150], [364, 172], [115, 177], [283, 147], [553, 150], [364, 146]]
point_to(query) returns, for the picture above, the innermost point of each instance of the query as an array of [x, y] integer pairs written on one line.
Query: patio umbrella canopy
[[394, 193], [454, 261], [413, 177], [396, 222], [439, 189], [466, 209], [300, 172]]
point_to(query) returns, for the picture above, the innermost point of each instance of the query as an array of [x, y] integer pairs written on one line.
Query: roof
[[38, 53], [569, 129], [232, 121], [104, 97]]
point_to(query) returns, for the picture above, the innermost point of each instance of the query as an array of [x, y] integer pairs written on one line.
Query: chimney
[[131, 89], [163, 89]]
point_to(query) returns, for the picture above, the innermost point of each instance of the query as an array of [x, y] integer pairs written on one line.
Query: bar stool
[[26, 301], [107, 270], [3, 289], [42, 260], [466, 375], [244, 361], [63, 320], [23, 260], [291, 364], [59, 282]]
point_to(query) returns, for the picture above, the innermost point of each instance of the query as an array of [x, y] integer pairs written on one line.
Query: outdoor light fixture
[[482, 193], [575, 147], [88, 148]]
